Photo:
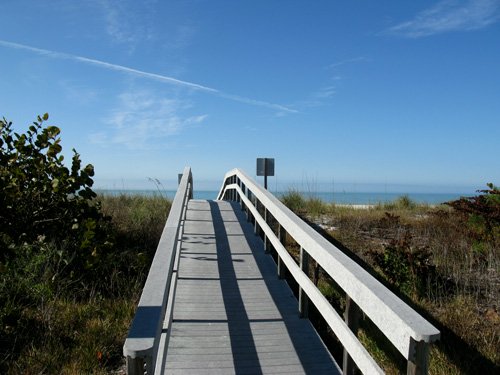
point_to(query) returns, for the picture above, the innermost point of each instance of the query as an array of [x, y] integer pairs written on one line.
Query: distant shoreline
[[361, 200]]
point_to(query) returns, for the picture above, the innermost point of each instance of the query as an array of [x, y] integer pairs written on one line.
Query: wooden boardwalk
[[232, 315]]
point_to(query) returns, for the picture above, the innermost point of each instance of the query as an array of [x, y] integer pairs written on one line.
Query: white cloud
[[142, 120], [450, 15]]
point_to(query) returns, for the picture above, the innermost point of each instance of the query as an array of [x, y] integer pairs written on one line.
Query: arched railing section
[[409, 332], [150, 327]]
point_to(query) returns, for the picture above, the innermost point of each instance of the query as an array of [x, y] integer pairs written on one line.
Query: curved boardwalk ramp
[[231, 314]]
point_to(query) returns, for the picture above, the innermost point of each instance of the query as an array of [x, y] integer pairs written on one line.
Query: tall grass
[[301, 205], [58, 330], [429, 256]]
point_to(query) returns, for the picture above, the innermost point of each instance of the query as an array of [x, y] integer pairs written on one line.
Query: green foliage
[[407, 267], [48, 330], [300, 205], [53, 237], [43, 201], [403, 202], [483, 215], [69, 277], [294, 201]]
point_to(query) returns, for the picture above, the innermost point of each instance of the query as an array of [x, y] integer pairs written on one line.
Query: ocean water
[[377, 197], [337, 197]]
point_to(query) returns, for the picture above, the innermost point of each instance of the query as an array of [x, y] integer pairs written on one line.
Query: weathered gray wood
[[267, 248], [350, 342], [144, 335], [352, 315], [231, 313], [135, 365], [303, 299], [399, 322], [281, 239], [418, 362]]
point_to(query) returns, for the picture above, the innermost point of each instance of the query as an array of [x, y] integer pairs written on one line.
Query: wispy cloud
[[123, 25], [324, 94], [143, 120], [348, 61], [318, 98], [77, 92], [148, 75], [180, 37], [450, 15]]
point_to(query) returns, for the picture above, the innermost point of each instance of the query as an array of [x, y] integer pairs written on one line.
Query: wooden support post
[[282, 239], [418, 364], [316, 273], [303, 299], [135, 366], [351, 316], [139, 366], [267, 246]]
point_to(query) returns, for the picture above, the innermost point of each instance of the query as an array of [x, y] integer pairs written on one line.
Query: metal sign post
[[265, 167]]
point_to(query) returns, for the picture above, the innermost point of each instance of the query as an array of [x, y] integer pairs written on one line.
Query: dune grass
[[456, 287], [430, 257], [57, 329]]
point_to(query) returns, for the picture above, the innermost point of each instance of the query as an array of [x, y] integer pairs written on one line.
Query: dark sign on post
[[265, 167]]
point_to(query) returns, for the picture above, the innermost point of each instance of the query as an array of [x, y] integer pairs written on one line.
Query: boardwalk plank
[[232, 315]]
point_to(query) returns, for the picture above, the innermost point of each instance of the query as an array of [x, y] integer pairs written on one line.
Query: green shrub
[[53, 237], [409, 268], [43, 201], [483, 215], [69, 276]]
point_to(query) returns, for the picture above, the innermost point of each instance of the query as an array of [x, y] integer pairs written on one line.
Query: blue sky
[[359, 95]]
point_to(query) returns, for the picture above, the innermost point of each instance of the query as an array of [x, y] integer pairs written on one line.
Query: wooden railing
[[409, 332], [150, 331]]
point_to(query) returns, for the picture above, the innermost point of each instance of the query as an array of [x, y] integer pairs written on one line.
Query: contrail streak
[[140, 73]]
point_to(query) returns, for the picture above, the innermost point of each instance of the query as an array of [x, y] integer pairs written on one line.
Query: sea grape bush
[[44, 202], [483, 216], [54, 241]]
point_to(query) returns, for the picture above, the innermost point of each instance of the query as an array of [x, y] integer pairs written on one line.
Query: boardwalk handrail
[[143, 340], [409, 332]]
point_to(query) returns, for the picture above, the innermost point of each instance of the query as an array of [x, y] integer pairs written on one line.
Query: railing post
[[303, 299], [267, 247], [316, 273], [418, 362], [255, 226], [351, 316], [282, 239], [135, 366]]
